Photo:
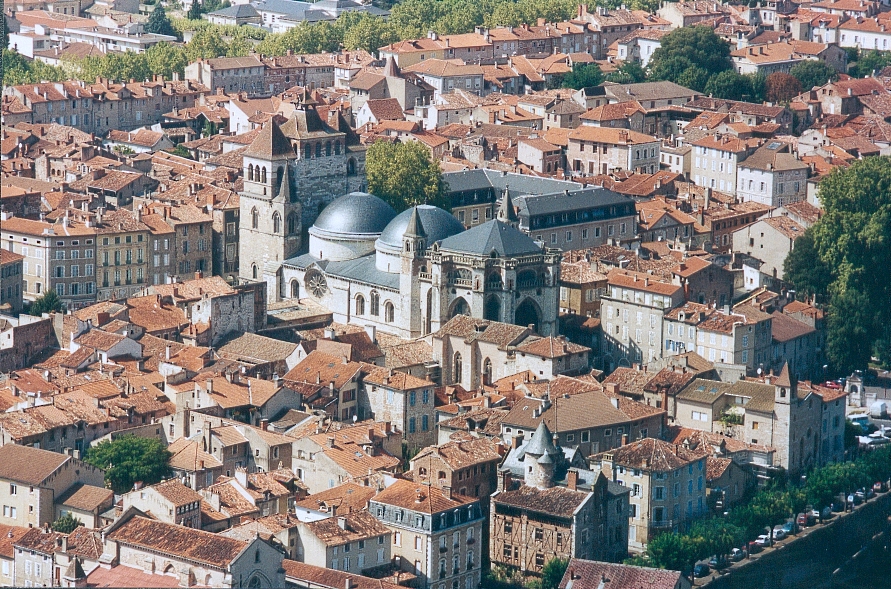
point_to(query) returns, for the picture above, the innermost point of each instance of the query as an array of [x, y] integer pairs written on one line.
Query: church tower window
[[389, 312], [375, 303], [360, 305], [255, 218], [292, 224], [250, 172], [263, 175], [276, 223]]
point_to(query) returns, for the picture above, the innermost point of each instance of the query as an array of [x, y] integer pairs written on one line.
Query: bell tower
[[270, 212], [414, 245]]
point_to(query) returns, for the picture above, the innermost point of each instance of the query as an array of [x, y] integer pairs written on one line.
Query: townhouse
[[169, 501], [636, 304], [403, 400], [446, 75], [469, 466], [772, 176], [716, 160], [769, 240], [436, 532], [351, 542], [121, 244], [12, 277], [667, 483], [232, 74], [602, 150]]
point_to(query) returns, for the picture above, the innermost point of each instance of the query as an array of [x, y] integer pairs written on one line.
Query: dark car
[[701, 570], [718, 563], [754, 547]]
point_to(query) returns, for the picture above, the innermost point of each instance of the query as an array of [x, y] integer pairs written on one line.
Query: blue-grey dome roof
[[356, 212], [437, 223]]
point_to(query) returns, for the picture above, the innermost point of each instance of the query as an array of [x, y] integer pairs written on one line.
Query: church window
[[263, 175], [254, 271], [360, 305], [351, 167], [276, 223], [458, 366], [375, 303], [307, 151], [250, 171], [295, 289], [337, 148], [318, 150], [389, 312], [255, 218], [292, 224], [328, 148]]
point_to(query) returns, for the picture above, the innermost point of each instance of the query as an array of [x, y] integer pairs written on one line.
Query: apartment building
[[232, 74], [667, 482], [403, 400], [191, 242], [56, 256], [602, 150], [351, 542], [11, 276], [578, 219], [32, 479], [121, 243], [436, 532], [773, 176], [446, 75], [716, 159], [469, 466], [635, 304], [161, 254], [739, 336], [169, 501]]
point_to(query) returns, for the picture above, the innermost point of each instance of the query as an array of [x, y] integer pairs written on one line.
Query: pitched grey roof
[[355, 213], [648, 91], [562, 202], [237, 11], [518, 184], [359, 270], [290, 8], [493, 235], [542, 443]]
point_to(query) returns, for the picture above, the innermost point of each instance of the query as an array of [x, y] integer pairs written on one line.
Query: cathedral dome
[[355, 213], [438, 224]]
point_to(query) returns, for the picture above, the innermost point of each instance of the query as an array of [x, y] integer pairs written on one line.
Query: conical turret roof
[[541, 443], [415, 227]]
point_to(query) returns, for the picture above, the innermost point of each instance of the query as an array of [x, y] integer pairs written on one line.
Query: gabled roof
[[270, 143], [495, 235], [27, 465]]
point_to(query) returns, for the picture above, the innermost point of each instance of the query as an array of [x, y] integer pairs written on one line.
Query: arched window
[[276, 222], [255, 218], [307, 151], [263, 175], [389, 312], [351, 167], [328, 148], [375, 303], [318, 150], [295, 289], [254, 271], [360, 305], [458, 367], [337, 148], [487, 371], [279, 177], [292, 224], [250, 171]]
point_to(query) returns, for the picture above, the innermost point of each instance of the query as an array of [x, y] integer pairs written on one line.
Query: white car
[[779, 534], [763, 540]]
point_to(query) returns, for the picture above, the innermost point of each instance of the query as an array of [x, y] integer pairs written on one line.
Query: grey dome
[[437, 223], [355, 213]]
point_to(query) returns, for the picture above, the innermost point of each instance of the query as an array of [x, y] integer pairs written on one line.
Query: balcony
[[529, 283], [661, 524], [462, 282]]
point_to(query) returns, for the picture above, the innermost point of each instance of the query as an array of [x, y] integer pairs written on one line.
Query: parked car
[[826, 513], [763, 540], [779, 534], [880, 487], [701, 570], [790, 527], [753, 547], [737, 555], [837, 506], [718, 562]]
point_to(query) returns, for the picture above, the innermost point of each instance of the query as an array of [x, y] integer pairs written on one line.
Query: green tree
[[804, 268], [552, 573], [812, 73], [194, 10], [404, 175], [166, 59], [66, 524], [130, 459], [851, 242], [730, 85], [629, 72], [674, 552], [48, 303], [690, 48], [158, 22], [782, 87], [180, 151], [206, 44], [868, 63], [583, 75]]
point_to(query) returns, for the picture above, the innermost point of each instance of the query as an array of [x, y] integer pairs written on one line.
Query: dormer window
[[783, 393]]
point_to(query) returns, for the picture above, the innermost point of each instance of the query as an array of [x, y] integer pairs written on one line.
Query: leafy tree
[[583, 76], [206, 44], [180, 151], [803, 268], [194, 10], [730, 85], [18, 70], [66, 524], [404, 175], [158, 22], [129, 459], [551, 575], [368, 33], [629, 72], [782, 87], [813, 73], [867, 63], [672, 551], [48, 303], [850, 243], [690, 48]]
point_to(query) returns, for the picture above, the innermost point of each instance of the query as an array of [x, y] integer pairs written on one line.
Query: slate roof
[[237, 11], [362, 270], [491, 236]]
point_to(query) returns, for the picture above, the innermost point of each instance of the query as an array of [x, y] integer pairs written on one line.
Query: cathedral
[[407, 274], [291, 171]]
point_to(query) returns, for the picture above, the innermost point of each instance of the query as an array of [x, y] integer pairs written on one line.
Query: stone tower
[[414, 244], [784, 397], [506, 211], [541, 458], [270, 212]]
